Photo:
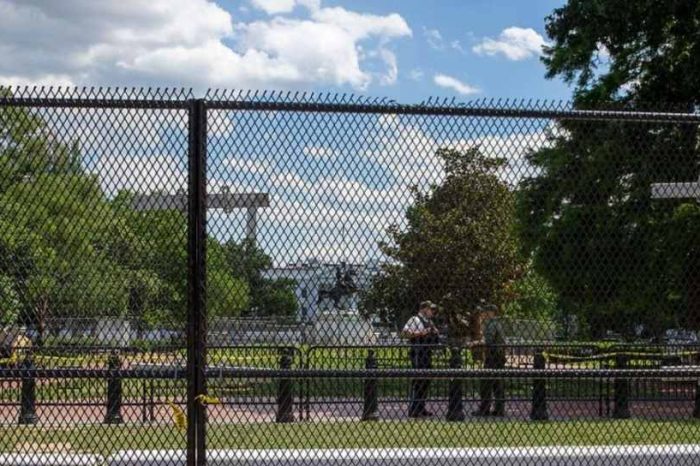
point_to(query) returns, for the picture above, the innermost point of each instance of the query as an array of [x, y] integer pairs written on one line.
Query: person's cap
[[488, 308], [433, 306], [427, 304]]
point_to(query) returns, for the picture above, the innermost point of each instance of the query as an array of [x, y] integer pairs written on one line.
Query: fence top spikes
[[268, 100]]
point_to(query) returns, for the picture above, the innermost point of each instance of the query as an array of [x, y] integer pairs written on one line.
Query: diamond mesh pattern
[[567, 296], [90, 283]]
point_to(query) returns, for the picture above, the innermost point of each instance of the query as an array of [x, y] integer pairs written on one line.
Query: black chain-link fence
[[266, 278]]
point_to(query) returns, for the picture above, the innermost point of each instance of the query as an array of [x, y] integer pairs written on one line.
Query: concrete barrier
[[628, 455], [50, 459]]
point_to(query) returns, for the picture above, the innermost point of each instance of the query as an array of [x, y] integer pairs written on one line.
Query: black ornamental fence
[[145, 392], [227, 277]]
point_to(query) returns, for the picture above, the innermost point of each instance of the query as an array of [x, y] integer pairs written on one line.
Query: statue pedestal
[[342, 328], [114, 331]]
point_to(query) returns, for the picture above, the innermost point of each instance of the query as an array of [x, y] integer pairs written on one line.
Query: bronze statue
[[344, 286]]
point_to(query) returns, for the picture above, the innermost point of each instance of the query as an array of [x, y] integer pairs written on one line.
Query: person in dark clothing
[[422, 336], [492, 390]]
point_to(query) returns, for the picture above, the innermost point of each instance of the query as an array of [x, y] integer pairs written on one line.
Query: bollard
[[114, 390], [285, 399], [371, 404], [696, 409], [455, 406], [539, 391], [27, 413], [621, 391]]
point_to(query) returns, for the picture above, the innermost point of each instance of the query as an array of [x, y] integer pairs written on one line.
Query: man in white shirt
[[423, 336]]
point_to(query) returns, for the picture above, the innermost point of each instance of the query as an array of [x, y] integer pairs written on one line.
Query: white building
[[313, 276]]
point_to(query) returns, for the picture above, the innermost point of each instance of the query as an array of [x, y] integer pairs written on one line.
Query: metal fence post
[[621, 409], [196, 282], [114, 391], [455, 406], [371, 403], [285, 397], [27, 413], [539, 391]]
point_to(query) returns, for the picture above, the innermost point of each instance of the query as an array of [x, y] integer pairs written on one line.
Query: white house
[[312, 276]]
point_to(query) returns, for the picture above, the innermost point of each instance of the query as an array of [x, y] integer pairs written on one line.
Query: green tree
[[56, 248], [158, 261], [587, 216], [530, 296], [616, 50], [154, 250], [228, 294], [28, 147], [268, 297], [9, 301], [458, 248], [67, 250]]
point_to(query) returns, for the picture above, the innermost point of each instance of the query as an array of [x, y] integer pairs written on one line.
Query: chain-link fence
[[279, 278]]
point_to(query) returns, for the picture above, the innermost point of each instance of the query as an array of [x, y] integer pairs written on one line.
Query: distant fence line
[[123, 331]]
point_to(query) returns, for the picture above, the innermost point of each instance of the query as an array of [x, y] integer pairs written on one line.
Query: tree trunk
[[41, 311]]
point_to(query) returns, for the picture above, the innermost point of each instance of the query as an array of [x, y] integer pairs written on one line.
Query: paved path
[[339, 410]]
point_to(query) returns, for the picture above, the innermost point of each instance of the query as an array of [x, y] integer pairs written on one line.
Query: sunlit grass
[[105, 440]]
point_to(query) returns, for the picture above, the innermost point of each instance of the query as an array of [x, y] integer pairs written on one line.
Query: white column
[[251, 223]]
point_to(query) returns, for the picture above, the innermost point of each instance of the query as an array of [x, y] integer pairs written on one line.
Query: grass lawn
[[107, 439]]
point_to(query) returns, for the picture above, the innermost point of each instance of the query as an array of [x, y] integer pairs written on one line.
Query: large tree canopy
[[54, 248], [648, 50], [617, 258], [458, 248], [68, 250]]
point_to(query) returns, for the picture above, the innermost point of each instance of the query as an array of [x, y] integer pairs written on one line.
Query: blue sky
[[466, 21], [336, 181], [480, 48]]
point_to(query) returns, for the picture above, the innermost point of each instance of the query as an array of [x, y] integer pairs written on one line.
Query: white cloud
[[455, 84], [289, 181], [416, 74], [335, 59], [312, 5], [602, 53], [360, 25], [341, 218], [140, 174], [148, 174], [43, 80], [630, 86], [326, 49], [457, 45], [434, 38], [392, 69], [256, 167], [84, 42], [319, 152], [514, 43], [436, 41], [274, 6]]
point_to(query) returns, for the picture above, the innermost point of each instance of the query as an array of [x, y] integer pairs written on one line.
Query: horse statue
[[344, 286]]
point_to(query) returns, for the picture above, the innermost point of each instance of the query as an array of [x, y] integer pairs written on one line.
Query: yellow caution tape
[[11, 361], [610, 356], [207, 400], [179, 417]]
